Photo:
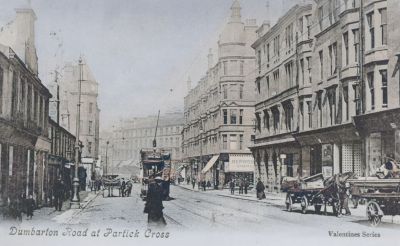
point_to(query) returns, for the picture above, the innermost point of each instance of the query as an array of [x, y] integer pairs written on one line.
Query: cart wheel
[[289, 203], [304, 204], [317, 208], [373, 214]]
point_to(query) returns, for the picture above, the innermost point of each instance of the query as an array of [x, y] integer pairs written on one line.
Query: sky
[[141, 52]]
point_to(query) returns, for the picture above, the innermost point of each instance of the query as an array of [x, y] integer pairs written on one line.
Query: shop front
[[381, 134], [239, 167], [330, 150], [275, 159], [16, 163]]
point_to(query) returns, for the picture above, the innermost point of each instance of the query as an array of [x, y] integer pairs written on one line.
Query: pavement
[[46, 215], [278, 199]]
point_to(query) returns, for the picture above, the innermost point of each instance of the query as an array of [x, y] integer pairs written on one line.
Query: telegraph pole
[[58, 96], [75, 201], [107, 143]]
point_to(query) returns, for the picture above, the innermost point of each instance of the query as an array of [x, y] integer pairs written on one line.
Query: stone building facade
[[347, 89], [24, 101], [89, 110], [283, 82], [137, 133], [61, 159], [219, 110]]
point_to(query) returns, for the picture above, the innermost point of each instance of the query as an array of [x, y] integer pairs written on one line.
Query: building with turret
[[219, 110]]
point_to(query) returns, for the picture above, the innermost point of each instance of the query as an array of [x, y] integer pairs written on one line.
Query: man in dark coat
[[123, 187], [193, 183], [58, 191], [232, 186], [30, 206], [260, 189], [246, 185], [208, 184], [241, 185], [154, 206], [128, 188]]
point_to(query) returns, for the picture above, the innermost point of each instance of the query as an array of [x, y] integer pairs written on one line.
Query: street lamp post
[[75, 201], [107, 143], [201, 150]]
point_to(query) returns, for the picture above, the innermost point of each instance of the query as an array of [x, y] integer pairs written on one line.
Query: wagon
[[110, 183], [382, 197], [313, 197], [316, 191]]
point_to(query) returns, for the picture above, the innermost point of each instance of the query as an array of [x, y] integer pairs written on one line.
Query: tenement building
[[89, 110], [346, 103], [282, 85], [219, 110], [137, 133], [61, 158], [24, 101]]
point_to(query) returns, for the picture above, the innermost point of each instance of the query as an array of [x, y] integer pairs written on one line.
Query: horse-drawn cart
[[109, 183], [317, 192], [382, 196], [306, 198]]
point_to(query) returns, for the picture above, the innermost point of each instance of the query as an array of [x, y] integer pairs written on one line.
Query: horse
[[334, 190]]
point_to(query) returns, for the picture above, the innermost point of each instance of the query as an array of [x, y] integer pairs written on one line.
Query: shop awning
[[210, 163], [240, 163]]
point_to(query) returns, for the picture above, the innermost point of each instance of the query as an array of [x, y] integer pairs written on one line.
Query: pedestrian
[[128, 188], [30, 206], [17, 205], [203, 184], [246, 185], [344, 197], [58, 191], [208, 184], [241, 184], [232, 186], [154, 206], [193, 183], [123, 187], [98, 184], [260, 189]]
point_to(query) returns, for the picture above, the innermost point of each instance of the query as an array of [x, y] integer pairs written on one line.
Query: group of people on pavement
[[243, 186], [201, 184], [23, 204]]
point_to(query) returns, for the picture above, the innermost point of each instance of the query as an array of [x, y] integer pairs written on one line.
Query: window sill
[[333, 76], [380, 48]]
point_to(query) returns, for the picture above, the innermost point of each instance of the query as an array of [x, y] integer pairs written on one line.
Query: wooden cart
[[109, 184], [382, 196], [313, 197]]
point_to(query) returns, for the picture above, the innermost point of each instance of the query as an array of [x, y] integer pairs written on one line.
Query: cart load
[[317, 191], [111, 182], [382, 196]]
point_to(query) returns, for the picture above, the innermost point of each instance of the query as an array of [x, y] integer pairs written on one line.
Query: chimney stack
[[210, 58]]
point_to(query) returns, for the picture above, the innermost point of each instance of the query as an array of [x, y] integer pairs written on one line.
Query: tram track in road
[[192, 211], [239, 211], [170, 219]]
